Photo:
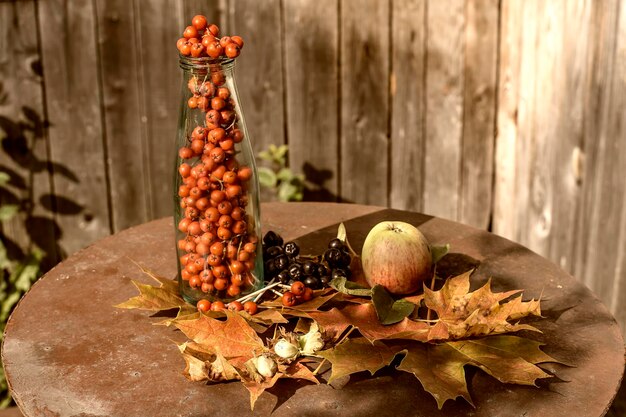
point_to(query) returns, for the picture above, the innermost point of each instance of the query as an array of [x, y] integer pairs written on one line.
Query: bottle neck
[[206, 65]]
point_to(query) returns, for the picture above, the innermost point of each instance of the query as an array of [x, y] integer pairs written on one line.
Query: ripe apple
[[397, 256]]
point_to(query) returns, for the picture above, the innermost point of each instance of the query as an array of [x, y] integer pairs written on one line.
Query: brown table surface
[[68, 352]]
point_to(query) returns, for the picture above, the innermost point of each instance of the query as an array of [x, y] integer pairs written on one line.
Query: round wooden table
[[68, 352]]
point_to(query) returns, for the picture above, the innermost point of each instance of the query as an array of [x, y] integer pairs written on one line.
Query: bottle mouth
[[189, 63]]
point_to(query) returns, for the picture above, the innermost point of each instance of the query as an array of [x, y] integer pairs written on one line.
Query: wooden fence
[[503, 114]]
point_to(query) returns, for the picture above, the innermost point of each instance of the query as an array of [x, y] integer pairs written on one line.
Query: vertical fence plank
[[574, 19], [120, 68], [73, 99], [22, 125], [540, 154], [506, 119], [160, 26], [407, 103], [364, 101], [515, 117], [537, 188], [311, 90], [481, 49], [444, 106], [594, 263], [602, 217], [259, 69]]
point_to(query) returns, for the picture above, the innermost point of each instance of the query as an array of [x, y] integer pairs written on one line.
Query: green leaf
[[267, 177], [4, 178], [27, 273], [439, 251], [281, 152], [8, 211], [342, 285], [285, 174], [265, 155], [390, 311], [5, 263], [286, 191], [7, 305]]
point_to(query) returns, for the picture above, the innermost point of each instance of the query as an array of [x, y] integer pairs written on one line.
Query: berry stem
[[261, 292]]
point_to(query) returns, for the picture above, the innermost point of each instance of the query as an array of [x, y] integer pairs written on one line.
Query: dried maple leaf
[[257, 388], [440, 367], [163, 297], [465, 314], [233, 338], [363, 316], [359, 354], [204, 365]]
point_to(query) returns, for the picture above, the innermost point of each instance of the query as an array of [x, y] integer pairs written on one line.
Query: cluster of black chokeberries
[[284, 262]]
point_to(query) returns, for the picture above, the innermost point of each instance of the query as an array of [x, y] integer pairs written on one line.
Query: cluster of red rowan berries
[[205, 305], [201, 40], [219, 245], [297, 293]]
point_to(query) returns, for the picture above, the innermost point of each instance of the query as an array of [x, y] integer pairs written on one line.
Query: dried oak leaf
[[464, 314], [163, 297], [440, 367], [358, 354], [233, 338]]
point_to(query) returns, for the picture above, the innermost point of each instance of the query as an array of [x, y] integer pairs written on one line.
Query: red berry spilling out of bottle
[[201, 40]]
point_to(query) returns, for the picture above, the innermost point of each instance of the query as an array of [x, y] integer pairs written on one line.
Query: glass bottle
[[216, 189]]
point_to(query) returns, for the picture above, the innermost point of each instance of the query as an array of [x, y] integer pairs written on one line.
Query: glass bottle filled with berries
[[217, 212]]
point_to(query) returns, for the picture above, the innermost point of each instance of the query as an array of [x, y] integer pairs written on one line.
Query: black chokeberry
[[283, 277], [272, 238], [281, 262], [309, 268], [336, 243], [311, 282], [291, 249], [274, 251], [325, 280], [322, 270], [270, 268], [345, 259], [295, 271], [333, 257], [338, 273]]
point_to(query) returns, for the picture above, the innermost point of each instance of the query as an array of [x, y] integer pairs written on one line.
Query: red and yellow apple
[[397, 256]]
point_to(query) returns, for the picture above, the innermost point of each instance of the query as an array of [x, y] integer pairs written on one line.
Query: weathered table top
[[68, 352]]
